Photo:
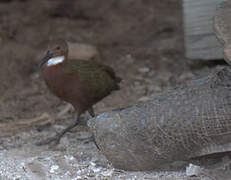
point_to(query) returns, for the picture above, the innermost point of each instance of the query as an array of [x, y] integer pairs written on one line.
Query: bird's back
[[99, 79]]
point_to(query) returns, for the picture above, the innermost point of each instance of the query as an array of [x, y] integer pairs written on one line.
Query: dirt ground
[[141, 40]]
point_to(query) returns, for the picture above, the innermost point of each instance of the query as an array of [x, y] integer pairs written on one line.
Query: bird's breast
[[64, 85]]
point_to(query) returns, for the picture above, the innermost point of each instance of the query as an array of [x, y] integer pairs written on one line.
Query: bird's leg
[[58, 136], [91, 112], [92, 138], [55, 140]]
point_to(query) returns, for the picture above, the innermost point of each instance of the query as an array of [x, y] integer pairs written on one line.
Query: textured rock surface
[[179, 124]]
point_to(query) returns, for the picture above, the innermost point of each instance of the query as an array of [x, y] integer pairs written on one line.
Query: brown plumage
[[79, 82]]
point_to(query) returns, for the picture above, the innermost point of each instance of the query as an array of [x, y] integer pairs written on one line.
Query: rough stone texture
[[186, 122]]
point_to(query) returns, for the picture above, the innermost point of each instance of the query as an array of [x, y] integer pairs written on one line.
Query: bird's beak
[[45, 59]]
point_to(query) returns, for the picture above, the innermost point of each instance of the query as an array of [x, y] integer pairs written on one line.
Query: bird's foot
[[53, 141], [56, 139]]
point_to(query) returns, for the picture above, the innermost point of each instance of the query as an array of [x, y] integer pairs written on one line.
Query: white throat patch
[[55, 60]]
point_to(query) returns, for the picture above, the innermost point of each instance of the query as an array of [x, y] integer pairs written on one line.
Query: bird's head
[[56, 53]]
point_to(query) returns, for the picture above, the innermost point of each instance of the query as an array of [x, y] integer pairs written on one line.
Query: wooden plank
[[222, 27], [200, 39]]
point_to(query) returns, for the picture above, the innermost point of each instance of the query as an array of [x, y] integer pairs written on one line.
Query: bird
[[82, 83]]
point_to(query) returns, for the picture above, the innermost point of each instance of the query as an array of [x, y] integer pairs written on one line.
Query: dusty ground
[[141, 40]]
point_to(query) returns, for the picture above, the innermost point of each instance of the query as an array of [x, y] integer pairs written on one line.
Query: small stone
[[81, 171], [69, 157], [107, 173], [96, 169], [144, 70], [193, 170], [54, 168], [143, 99], [92, 163], [78, 177]]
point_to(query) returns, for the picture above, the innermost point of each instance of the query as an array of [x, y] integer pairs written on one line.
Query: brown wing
[[100, 79], [111, 73]]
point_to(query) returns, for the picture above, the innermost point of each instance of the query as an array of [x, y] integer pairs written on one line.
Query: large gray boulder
[[186, 122]]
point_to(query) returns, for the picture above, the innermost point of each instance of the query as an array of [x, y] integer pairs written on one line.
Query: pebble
[[193, 170], [54, 168], [68, 157], [143, 99], [107, 173], [96, 169], [144, 70], [92, 163]]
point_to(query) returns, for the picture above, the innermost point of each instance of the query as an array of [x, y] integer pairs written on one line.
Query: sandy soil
[[141, 40]]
